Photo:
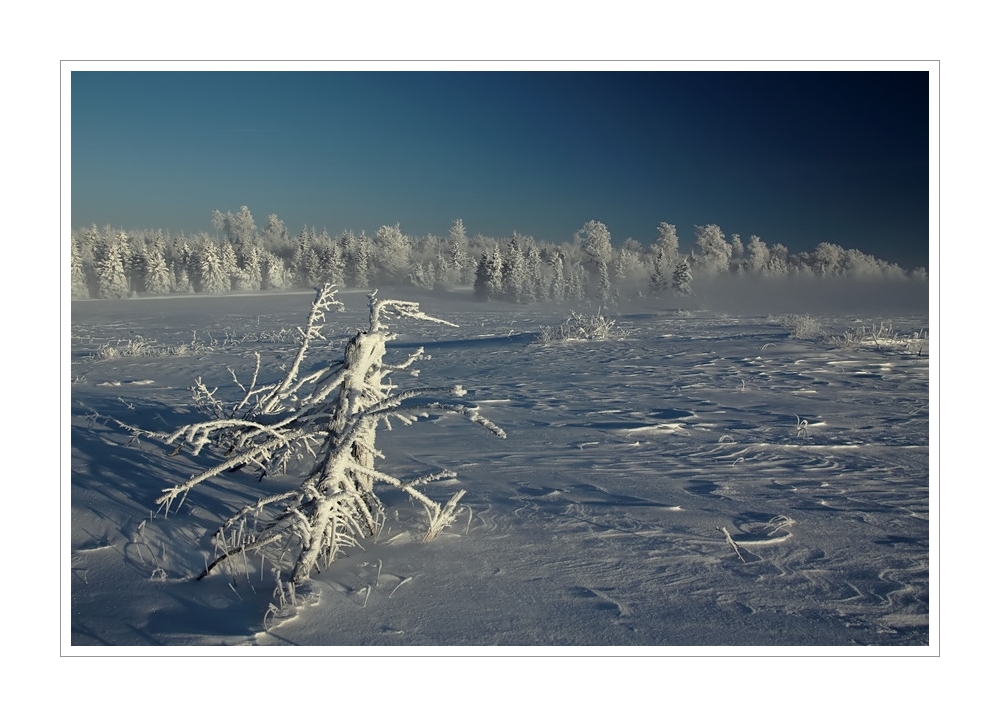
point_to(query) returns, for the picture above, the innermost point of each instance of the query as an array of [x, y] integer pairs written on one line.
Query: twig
[[732, 543]]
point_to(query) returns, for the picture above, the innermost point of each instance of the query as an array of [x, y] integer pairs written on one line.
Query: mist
[[755, 296]]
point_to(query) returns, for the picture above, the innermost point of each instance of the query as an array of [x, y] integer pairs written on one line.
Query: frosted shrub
[[135, 346], [580, 327], [138, 346], [884, 338], [802, 327], [330, 417]]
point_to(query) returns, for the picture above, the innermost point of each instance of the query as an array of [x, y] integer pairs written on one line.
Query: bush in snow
[[329, 416], [802, 327], [581, 327], [884, 338]]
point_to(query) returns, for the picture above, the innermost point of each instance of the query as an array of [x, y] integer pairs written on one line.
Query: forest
[[112, 263]]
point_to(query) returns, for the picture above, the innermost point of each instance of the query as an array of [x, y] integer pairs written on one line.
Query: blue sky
[[795, 157]]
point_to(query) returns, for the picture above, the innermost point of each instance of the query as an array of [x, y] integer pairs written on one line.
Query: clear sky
[[798, 158]]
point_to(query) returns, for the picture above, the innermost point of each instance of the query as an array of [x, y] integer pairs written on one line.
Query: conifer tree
[[331, 261], [682, 278], [481, 285], [157, 279], [274, 275], [557, 288], [494, 274], [213, 276], [392, 253], [458, 259], [513, 274], [659, 281], [112, 282], [252, 274], [78, 276], [230, 266], [534, 285], [361, 261]]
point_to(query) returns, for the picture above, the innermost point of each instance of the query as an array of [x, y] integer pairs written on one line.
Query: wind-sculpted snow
[[700, 480]]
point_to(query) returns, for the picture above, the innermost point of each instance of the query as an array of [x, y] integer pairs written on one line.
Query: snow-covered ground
[[699, 479]]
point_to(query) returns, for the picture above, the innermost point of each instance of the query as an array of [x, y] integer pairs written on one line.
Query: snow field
[[655, 489]]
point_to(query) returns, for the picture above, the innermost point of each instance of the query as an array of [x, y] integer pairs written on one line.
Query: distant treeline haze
[[109, 263]]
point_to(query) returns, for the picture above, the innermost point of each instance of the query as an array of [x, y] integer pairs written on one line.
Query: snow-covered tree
[[682, 278], [660, 278], [489, 283], [514, 278], [112, 281], [627, 263], [157, 278], [392, 250], [457, 235], [557, 283], [714, 253], [332, 268], [668, 242], [78, 276], [534, 285], [331, 414], [274, 235], [736, 253], [360, 262], [777, 263], [755, 256], [274, 274], [826, 259], [214, 277], [596, 243], [230, 265]]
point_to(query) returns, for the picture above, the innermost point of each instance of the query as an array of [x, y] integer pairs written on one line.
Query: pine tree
[[230, 266], [274, 275], [481, 285], [736, 253], [252, 274], [494, 274], [112, 282], [514, 277], [682, 278], [557, 288], [182, 262], [458, 256], [213, 276], [392, 253], [534, 285], [78, 276], [157, 279], [331, 261], [659, 281]]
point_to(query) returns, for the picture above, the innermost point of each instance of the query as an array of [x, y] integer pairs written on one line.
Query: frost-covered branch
[[331, 415]]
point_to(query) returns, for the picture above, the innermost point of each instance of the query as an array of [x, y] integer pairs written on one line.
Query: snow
[[702, 481]]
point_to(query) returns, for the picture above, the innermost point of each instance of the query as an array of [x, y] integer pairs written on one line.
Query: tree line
[[240, 256]]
